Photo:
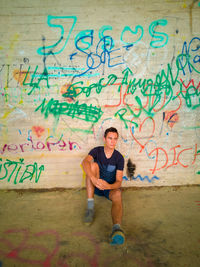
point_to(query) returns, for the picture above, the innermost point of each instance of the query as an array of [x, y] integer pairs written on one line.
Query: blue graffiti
[[150, 180], [82, 37], [189, 54], [103, 54], [105, 51], [162, 38], [101, 34]]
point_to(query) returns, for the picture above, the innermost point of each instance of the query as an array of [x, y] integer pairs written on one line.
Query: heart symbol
[[140, 129], [38, 130]]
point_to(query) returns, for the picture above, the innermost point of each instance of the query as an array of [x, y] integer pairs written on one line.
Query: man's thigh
[[102, 193]]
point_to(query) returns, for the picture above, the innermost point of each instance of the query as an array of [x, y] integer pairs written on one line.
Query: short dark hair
[[112, 130]]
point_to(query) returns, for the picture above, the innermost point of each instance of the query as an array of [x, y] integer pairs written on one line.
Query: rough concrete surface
[[46, 229]]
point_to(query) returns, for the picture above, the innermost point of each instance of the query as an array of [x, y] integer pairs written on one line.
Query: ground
[[45, 228]]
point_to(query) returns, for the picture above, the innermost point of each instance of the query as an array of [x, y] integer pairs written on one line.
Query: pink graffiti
[[50, 144], [15, 252]]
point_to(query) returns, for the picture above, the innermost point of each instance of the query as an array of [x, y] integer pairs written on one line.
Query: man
[[104, 171]]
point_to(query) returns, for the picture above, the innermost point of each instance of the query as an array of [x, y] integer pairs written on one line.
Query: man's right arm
[[86, 163]]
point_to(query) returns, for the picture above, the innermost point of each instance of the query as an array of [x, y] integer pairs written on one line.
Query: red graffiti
[[141, 128], [161, 157], [38, 130], [189, 83], [171, 117], [17, 250]]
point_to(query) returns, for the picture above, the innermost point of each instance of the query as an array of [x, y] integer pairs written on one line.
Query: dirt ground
[[162, 227]]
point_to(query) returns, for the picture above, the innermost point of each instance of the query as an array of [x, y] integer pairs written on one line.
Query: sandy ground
[[162, 227]]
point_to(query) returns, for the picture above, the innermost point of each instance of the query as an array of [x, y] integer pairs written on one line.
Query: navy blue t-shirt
[[107, 166]]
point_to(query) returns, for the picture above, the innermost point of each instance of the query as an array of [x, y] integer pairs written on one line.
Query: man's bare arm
[[86, 163], [115, 185]]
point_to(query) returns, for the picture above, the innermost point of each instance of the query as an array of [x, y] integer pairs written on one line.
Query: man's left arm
[[117, 184]]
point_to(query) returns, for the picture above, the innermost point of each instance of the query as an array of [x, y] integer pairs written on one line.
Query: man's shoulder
[[118, 154], [97, 148]]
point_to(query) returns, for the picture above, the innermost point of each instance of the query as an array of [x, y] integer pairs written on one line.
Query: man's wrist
[[93, 179]]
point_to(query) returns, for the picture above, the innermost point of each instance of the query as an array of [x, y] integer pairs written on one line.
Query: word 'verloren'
[[49, 144], [13, 168], [74, 110]]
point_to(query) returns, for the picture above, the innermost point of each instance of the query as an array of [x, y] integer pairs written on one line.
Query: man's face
[[111, 140]]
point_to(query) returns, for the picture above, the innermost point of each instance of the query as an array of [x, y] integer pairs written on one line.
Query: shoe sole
[[117, 238]]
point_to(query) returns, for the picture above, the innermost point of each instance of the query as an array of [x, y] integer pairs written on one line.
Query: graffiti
[[15, 251], [155, 94], [191, 58], [50, 144], [162, 37], [74, 110], [36, 79], [50, 254], [106, 50], [63, 40], [150, 180], [19, 76], [38, 130], [198, 203], [142, 179], [161, 153], [31, 170], [171, 118], [76, 89], [86, 36]]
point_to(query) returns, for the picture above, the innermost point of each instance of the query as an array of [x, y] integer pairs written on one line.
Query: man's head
[[111, 137], [112, 130]]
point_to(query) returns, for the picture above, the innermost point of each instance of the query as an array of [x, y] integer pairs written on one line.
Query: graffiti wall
[[71, 69]]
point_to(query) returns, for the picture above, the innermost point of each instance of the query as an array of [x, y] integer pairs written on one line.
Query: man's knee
[[115, 195]]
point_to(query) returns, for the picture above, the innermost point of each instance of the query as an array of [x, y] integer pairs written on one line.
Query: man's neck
[[108, 151]]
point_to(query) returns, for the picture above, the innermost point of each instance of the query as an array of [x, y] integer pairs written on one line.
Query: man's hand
[[102, 185]]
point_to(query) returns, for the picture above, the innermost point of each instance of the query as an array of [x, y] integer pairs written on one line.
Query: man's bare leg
[[116, 212], [89, 215]]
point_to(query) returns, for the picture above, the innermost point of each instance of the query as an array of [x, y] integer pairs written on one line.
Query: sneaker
[[89, 216], [117, 237]]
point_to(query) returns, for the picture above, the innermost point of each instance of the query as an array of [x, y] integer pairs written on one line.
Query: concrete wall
[[70, 69]]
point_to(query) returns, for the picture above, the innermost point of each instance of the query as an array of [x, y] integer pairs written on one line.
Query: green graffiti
[[157, 91], [74, 110], [75, 89], [36, 79], [12, 170]]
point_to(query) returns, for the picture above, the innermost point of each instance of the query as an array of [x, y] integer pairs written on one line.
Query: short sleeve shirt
[[107, 166]]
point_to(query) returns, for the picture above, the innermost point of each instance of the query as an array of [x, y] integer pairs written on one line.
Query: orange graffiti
[[38, 130], [171, 117], [67, 89], [19, 75]]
